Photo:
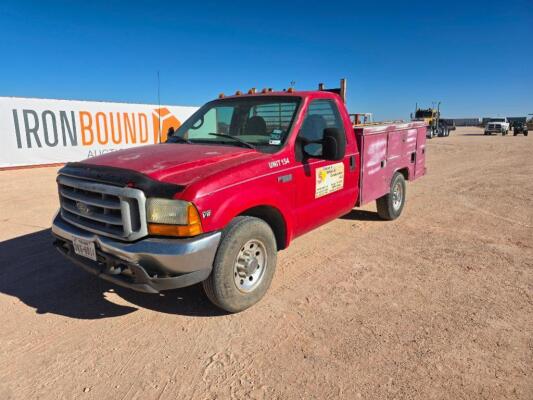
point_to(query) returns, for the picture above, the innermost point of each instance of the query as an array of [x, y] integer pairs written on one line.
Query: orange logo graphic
[[163, 121]]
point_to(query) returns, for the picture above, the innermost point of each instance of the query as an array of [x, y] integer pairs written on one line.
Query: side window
[[321, 114]]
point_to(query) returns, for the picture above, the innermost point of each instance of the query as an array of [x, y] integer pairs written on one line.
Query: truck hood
[[177, 163]]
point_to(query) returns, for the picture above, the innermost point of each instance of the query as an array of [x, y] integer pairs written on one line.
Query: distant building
[[512, 120], [509, 119], [466, 121]]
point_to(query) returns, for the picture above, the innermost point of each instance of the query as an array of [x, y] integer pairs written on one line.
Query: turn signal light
[[193, 227]]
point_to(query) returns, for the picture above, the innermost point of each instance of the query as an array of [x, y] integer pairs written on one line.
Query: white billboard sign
[[43, 131]]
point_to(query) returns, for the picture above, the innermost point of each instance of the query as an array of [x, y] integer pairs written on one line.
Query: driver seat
[[255, 125]]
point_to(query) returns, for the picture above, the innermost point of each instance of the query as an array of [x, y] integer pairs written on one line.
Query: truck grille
[[108, 210]]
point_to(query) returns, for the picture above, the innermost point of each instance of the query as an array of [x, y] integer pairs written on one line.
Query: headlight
[[167, 217]]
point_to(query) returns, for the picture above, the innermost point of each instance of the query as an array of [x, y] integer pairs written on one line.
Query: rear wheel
[[391, 205], [244, 265]]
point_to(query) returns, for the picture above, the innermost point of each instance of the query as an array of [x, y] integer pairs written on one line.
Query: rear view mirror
[[333, 144]]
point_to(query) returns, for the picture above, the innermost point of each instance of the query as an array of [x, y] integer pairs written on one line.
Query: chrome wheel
[[397, 196], [250, 265]]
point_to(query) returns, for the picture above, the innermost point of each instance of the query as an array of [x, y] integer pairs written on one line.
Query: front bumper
[[147, 265]]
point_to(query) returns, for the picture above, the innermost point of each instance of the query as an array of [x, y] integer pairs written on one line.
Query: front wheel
[[391, 205], [244, 265]]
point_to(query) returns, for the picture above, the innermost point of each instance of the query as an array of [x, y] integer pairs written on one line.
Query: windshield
[[423, 114], [260, 122]]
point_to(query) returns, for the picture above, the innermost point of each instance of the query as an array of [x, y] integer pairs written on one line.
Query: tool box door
[[420, 166], [374, 170]]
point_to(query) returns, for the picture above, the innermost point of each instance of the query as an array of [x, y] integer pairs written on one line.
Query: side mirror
[[333, 144]]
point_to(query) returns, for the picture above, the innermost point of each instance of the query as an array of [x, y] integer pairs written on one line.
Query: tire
[[525, 133], [388, 206], [225, 287]]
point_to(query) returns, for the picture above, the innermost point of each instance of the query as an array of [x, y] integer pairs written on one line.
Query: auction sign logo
[[67, 127], [61, 128]]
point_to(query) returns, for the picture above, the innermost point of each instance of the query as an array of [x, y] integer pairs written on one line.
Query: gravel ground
[[435, 305]]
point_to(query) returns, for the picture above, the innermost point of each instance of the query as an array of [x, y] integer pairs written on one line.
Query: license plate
[[84, 248]]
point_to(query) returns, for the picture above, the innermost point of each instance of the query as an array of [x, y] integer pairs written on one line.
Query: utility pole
[[159, 105]]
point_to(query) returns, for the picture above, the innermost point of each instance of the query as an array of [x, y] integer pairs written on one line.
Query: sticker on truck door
[[329, 179]]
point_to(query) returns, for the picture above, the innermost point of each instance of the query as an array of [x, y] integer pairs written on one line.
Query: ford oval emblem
[[83, 208]]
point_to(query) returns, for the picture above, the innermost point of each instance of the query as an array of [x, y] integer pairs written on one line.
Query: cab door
[[325, 189]]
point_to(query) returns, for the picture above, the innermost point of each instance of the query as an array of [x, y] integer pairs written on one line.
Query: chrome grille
[[109, 210]]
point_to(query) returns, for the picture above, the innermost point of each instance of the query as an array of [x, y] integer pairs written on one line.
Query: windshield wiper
[[176, 138], [244, 143]]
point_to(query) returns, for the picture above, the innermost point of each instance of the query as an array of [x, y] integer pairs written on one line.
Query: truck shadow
[[32, 270], [361, 215]]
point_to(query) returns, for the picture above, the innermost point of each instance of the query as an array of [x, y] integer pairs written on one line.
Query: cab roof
[[294, 93]]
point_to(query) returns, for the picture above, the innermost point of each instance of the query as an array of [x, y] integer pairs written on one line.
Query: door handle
[[352, 163]]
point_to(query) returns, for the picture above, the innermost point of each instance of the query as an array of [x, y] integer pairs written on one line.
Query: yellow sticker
[[329, 179]]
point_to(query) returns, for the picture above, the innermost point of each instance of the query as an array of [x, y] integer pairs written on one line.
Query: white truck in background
[[497, 125]]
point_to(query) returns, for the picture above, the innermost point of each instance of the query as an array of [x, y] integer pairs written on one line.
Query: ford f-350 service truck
[[238, 181]]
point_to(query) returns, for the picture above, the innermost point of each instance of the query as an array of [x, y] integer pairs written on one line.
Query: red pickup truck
[[238, 181]]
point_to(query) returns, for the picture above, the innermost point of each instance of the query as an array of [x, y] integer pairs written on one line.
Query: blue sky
[[475, 57]]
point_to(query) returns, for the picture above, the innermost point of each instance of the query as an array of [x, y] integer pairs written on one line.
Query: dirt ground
[[435, 305]]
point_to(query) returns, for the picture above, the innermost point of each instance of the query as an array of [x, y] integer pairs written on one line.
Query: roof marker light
[[238, 93], [221, 96]]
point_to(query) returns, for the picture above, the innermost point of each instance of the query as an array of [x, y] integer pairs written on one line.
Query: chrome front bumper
[[147, 265]]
